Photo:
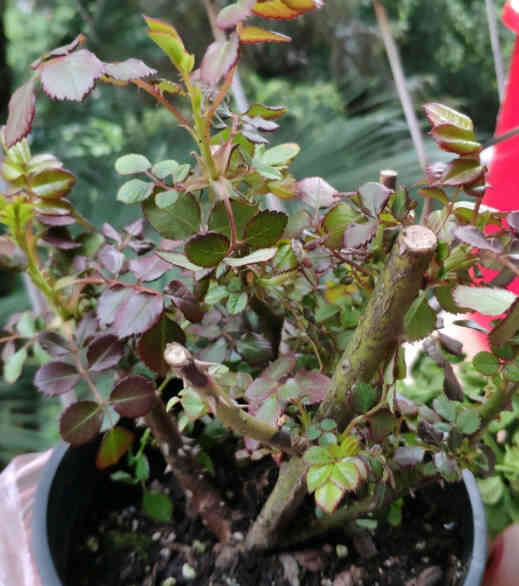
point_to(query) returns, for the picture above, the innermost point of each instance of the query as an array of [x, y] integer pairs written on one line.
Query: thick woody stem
[[371, 346], [381, 325], [202, 498]]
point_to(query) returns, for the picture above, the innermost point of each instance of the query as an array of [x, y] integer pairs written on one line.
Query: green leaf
[[165, 199], [207, 250], [486, 363], [364, 397], [142, 468], [242, 212], [446, 300], [328, 496], [261, 255], [462, 172], [26, 325], [13, 366], [179, 260], [486, 300], [511, 371], [318, 455], [280, 155], [439, 114], [468, 421], [420, 319], [456, 140], [157, 506], [266, 112], [135, 191], [236, 303], [165, 168], [434, 193], [265, 229], [115, 444], [176, 222], [193, 404], [317, 476], [167, 38], [52, 183], [132, 164], [335, 223], [445, 408], [215, 294], [346, 475], [506, 328], [491, 489]]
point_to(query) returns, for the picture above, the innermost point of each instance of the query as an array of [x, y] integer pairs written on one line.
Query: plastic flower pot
[[70, 482]]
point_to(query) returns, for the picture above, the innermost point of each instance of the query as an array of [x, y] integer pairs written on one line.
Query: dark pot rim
[[45, 565]]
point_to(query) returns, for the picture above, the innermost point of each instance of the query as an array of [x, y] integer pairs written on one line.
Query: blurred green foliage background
[[334, 78]]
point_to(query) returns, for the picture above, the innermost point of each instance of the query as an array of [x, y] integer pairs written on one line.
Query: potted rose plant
[[279, 335]]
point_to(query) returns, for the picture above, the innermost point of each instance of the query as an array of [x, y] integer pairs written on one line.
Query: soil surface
[[118, 545]]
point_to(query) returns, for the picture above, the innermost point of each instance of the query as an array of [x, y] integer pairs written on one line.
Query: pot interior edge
[[478, 558]]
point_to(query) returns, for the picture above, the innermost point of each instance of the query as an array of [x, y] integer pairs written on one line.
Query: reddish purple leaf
[[81, 422], [60, 51], [133, 396], [71, 77], [374, 197], [406, 456], [218, 60], [434, 172], [152, 344], [136, 228], [235, 13], [262, 388], [281, 367], [141, 246], [56, 378], [313, 385], [512, 219], [116, 442], [111, 258], [86, 329], [148, 268], [137, 313], [471, 235], [55, 220], [54, 344], [129, 69], [316, 192], [109, 302], [110, 232], [21, 114], [185, 301], [358, 235], [104, 352], [60, 238]]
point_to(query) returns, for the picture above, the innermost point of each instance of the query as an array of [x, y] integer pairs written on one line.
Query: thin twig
[[162, 100], [403, 92], [496, 48]]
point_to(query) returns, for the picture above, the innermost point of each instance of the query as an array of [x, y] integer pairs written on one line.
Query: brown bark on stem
[[202, 498]]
